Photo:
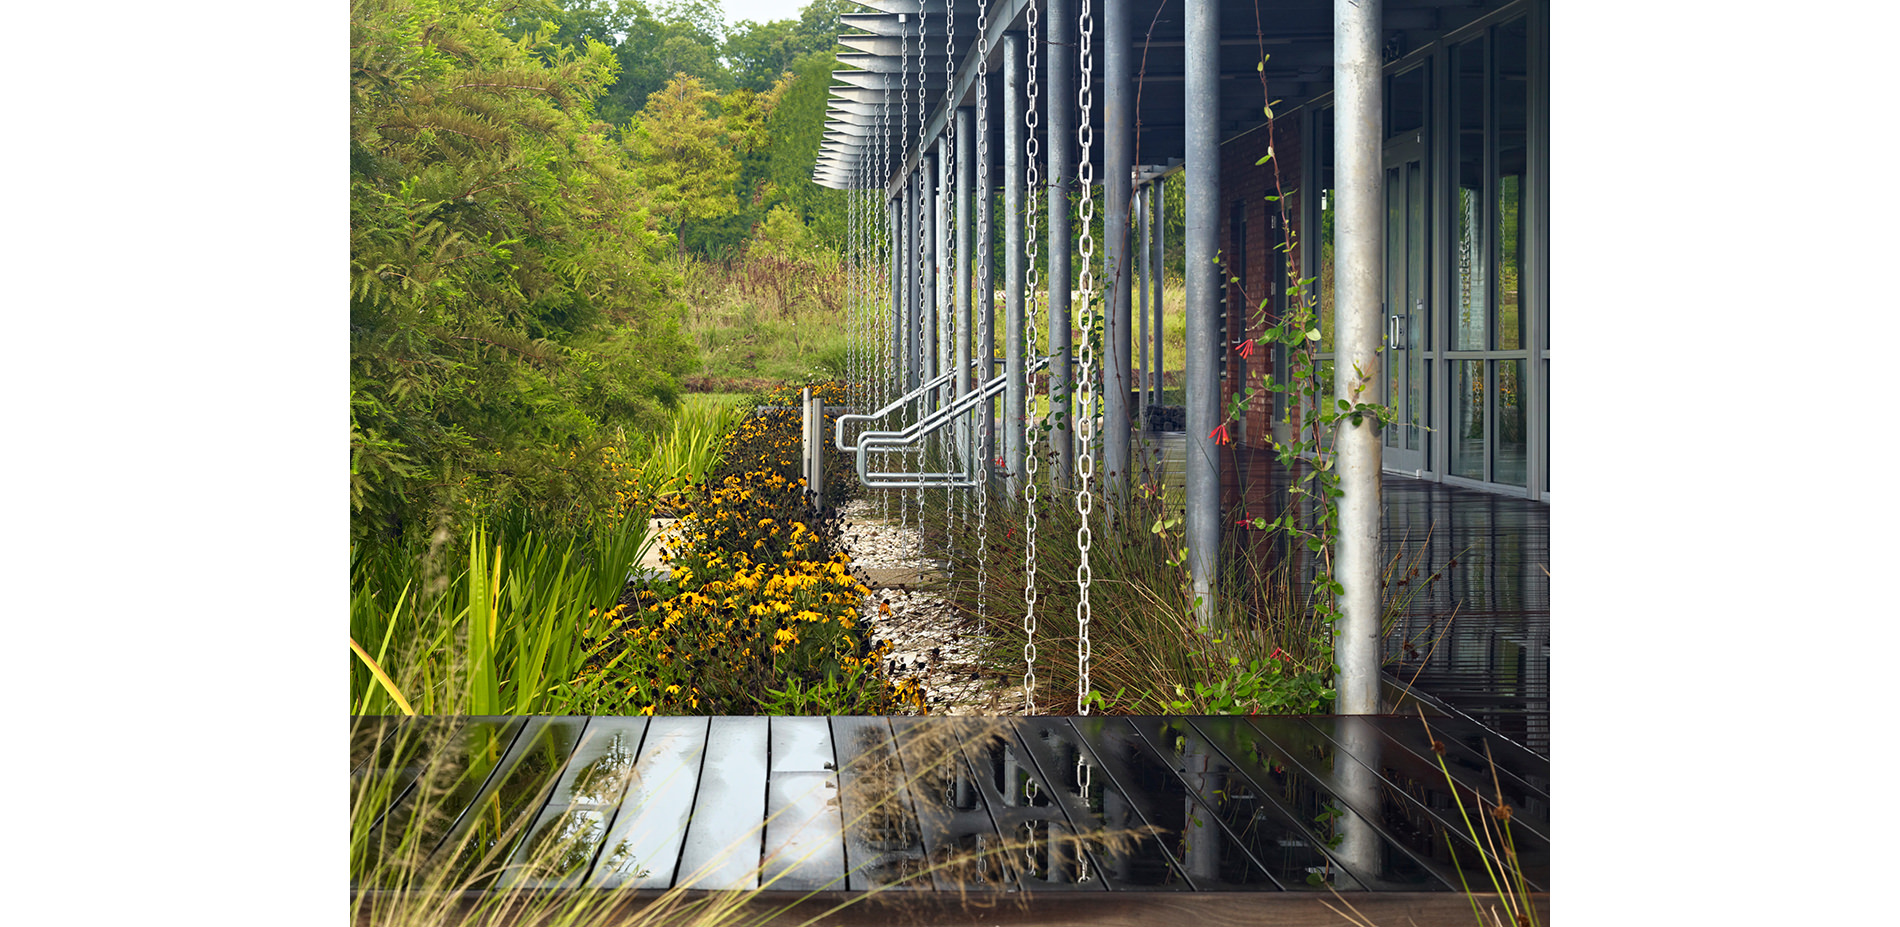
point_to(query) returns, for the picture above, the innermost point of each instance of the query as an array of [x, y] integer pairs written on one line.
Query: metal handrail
[[909, 437], [919, 392]]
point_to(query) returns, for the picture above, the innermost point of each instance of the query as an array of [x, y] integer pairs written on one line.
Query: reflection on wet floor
[[1467, 583], [1020, 804]]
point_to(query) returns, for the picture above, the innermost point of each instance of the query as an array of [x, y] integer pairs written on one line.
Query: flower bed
[[761, 612]]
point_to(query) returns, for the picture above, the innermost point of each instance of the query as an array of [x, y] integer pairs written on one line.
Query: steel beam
[[1202, 462], [1358, 260]]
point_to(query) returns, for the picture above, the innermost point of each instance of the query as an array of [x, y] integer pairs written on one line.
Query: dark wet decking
[[1468, 580], [1276, 805]]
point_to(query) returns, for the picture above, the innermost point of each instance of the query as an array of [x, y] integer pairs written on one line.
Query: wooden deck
[[1467, 580], [1098, 820]]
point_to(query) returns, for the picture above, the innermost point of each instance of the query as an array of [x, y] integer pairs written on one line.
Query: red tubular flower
[[1245, 348], [1219, 434]]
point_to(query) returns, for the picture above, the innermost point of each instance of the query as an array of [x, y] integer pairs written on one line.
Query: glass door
[[1406, 386]]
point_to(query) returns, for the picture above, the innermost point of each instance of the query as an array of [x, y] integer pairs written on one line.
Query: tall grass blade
[[382, 678]]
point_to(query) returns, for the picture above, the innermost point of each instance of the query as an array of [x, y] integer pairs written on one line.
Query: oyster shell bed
[[931, 642]]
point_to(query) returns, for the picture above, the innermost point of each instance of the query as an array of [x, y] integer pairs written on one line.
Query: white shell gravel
[[931, 641]]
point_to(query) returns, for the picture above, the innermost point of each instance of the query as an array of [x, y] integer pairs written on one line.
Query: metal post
[[927, 205], [896, 254], [966, 183], [940, 270], [1013, 346], [914, 316], [986, 286], [1061, 174], [1359, 252], [1144, 271], [1156, 279], [1118, 161], [1202, 463]]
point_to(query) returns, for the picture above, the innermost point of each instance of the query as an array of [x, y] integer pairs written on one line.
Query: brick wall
[[1261, 269]]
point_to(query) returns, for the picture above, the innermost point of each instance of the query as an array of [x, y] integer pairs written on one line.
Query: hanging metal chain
[[946, 305], [886, 362], [986, 363], [1029, 396], [915, 455], [1082, 777], [903, 313], [1085, 408]]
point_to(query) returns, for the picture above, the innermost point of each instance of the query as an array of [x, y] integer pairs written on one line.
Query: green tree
[[683, 156], [508, 311], [797, 127]]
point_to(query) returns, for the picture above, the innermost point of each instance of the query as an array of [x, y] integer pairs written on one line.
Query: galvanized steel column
[[1156, 279], [1118, 161], [986, 287], [1013, 347], [1202, 462], [927, 331], [1358, 262], [910, 283], [940, 270], [1144, 271], [1061, 176], [896, 334], [965, 338]]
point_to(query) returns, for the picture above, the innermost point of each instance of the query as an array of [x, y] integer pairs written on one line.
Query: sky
[[761, 11]]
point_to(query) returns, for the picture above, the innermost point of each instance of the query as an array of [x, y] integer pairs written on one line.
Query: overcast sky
[[761, 11]]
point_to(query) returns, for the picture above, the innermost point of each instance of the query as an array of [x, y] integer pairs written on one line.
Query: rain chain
[[923, 240], [1029, 402], [903, 314], [946, 309], [1085, 409], [1082, 784], [887, 362], [986, 364]]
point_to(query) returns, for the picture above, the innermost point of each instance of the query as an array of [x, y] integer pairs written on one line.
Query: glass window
[[1405, 103], [1510, 94], [1508, 465], [1467, 420], [1470, 279]]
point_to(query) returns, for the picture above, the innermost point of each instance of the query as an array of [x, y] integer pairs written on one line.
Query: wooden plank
[[643, 845], [1357, 841], [1027, 814], [572, 828], [501, 814], [386, 777], [804, 828], [1145, 865], [1206, 852], [1032, 909], [883, 844], [1525, 782], [1414, 803], [456, 773], [726, 837], [367, 733], [950, 816]]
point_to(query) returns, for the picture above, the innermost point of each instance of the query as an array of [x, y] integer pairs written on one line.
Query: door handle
[[1395, 332]]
